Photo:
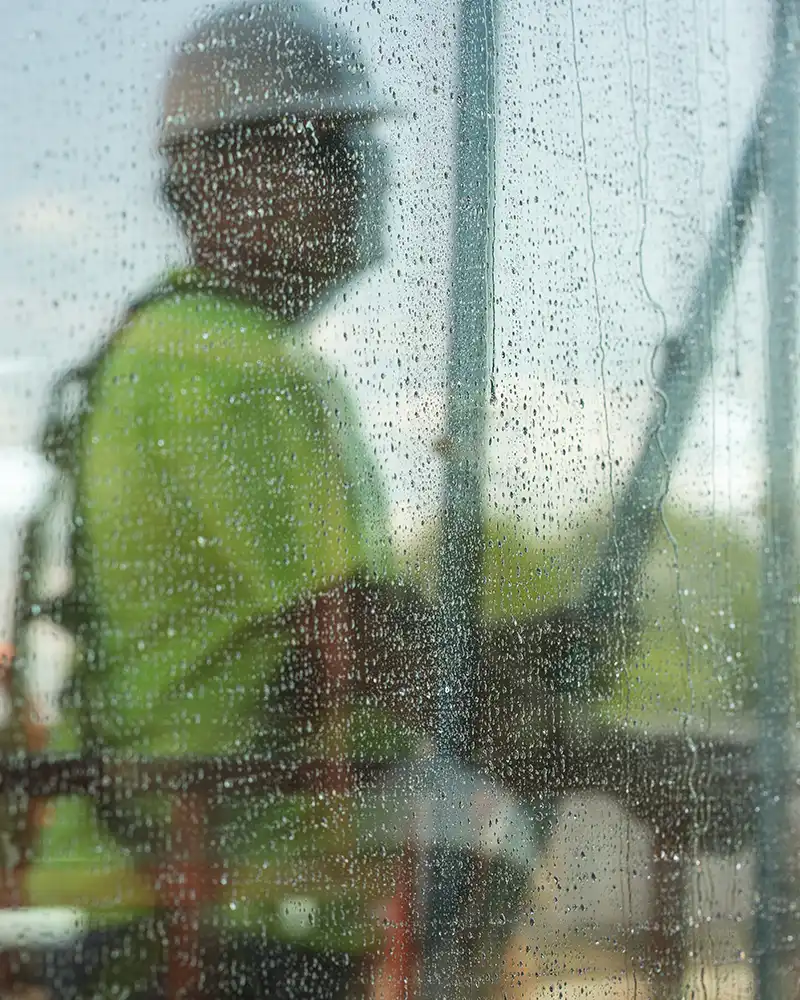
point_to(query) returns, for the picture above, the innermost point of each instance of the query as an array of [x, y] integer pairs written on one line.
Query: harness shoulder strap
[[70, 403]]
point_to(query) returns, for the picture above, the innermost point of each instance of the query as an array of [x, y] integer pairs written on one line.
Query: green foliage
[[701, 622], [698, 609]]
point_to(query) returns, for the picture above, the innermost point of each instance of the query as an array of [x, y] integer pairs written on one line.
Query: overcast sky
[[618, 127]]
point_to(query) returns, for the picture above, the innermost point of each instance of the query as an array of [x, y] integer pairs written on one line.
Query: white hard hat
[[263, 62]]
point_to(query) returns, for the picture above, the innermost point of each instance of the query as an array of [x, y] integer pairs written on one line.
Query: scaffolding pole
[[688, 353], [460, 562], [775, 916]]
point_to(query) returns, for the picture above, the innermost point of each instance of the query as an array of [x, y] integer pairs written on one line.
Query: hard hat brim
[[176, 129]]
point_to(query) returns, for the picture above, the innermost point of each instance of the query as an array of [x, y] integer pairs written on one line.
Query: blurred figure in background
[[219, 479]]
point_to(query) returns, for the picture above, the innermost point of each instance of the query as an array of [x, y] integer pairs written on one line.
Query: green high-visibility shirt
[[221, 474]]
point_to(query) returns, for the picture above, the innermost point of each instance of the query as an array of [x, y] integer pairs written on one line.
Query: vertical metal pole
[[781, 149], [461, 547], [461, 554]]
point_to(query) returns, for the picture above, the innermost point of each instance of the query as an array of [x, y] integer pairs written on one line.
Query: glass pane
[[396, 541]]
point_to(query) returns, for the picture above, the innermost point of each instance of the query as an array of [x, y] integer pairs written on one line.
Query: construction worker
[[220, 477]]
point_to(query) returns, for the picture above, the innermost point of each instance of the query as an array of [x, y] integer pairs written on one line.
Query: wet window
[[397, 556]]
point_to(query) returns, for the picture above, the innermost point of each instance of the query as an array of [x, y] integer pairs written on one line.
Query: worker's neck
[[288, 295]]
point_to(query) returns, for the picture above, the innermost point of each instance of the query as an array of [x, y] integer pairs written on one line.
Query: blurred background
[[618, 127]]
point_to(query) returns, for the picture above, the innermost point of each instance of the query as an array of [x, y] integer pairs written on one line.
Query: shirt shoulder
[[205, 329], [199, 349]]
